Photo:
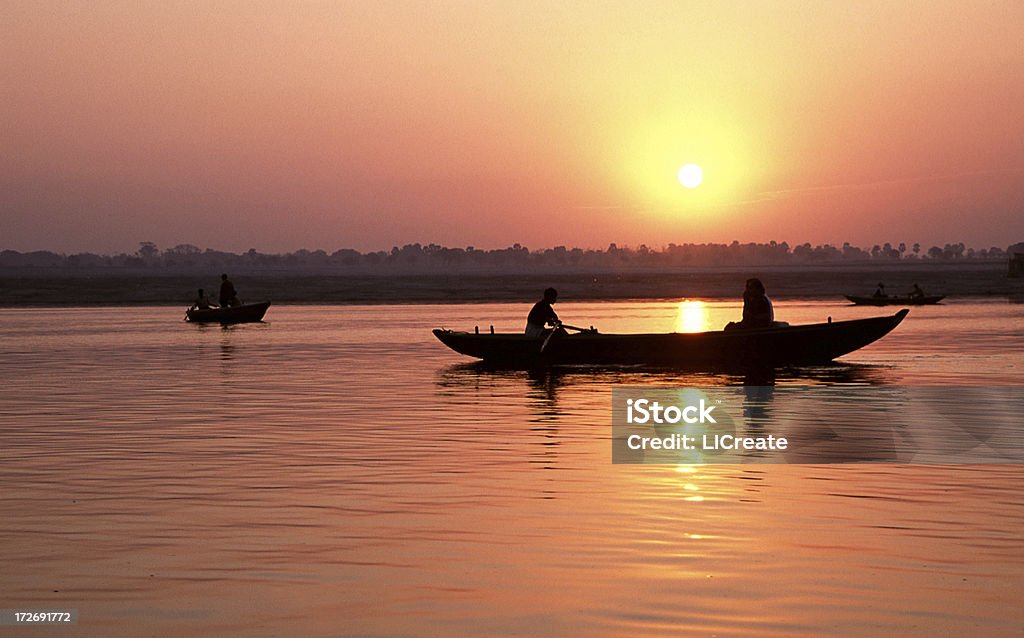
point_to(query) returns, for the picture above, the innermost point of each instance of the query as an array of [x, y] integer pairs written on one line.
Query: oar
[[568, 327], [544, 345]]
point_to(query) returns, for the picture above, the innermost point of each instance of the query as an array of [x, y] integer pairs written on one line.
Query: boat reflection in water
[[839, 413], [479, 373]]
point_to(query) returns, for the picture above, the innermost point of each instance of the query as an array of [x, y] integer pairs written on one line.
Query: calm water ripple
[[336, 471]]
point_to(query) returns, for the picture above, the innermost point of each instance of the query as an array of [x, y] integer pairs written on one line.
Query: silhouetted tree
[[148, 250]]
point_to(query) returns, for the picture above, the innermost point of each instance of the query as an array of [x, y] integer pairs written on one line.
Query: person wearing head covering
[[757, 307]]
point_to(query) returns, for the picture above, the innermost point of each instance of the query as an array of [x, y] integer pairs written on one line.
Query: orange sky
[[286, 125]]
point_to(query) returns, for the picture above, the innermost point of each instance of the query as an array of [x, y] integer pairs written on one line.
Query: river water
[[337, 471]]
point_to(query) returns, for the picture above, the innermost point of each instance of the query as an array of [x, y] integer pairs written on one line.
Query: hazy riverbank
[[35, 288]]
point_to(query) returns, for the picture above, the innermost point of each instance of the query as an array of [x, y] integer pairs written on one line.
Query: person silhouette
[[228, 296], [542, 314], [202, 302], [757, 307]]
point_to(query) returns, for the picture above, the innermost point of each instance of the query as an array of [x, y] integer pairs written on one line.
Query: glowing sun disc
[[690, 175]]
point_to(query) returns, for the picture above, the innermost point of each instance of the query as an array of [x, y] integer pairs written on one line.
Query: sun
[[691, 175]]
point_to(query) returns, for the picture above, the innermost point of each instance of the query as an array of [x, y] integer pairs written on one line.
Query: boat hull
[[246, 313], [763, 347], [895, 301]]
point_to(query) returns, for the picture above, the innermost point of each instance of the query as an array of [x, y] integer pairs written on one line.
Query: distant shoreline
[[40, 289]]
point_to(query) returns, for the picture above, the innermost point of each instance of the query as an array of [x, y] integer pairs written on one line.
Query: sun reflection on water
[[692, 316]]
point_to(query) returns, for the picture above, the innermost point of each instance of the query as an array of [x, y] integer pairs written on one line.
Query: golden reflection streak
[[692, 316]]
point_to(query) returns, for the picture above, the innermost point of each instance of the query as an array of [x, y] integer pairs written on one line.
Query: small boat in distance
[[245, 313], [896, 301], [772, 347]]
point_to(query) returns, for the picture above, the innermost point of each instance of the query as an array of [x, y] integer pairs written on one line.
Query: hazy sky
[[286, 125]]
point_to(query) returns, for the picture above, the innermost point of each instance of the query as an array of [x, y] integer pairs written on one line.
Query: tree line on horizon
[[432, 257]]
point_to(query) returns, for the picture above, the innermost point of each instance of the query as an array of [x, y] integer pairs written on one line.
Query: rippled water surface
[[337, 471]]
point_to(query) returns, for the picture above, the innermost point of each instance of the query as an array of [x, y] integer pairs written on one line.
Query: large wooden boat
[[245, 313], [762, 347], [895, 301]]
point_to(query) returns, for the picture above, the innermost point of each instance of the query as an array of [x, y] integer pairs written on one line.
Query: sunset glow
[[324, 125], [532, 317]]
